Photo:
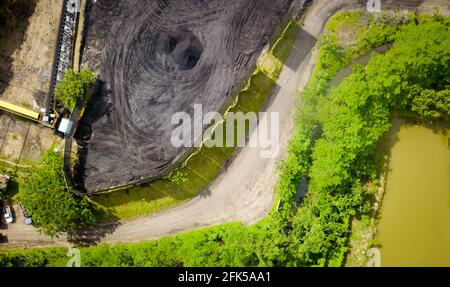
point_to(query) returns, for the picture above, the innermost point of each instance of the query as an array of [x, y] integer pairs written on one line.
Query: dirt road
[[245, 191]]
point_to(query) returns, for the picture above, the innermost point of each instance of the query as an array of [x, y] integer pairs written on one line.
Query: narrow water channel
[[362, 60], [414, 229]]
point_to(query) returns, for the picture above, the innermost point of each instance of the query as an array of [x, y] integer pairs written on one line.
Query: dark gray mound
[[155, 58]]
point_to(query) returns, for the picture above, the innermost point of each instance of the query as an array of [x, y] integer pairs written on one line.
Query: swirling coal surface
[[154, 58]]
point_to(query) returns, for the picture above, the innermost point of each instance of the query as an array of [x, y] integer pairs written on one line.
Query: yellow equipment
[[23, 112]]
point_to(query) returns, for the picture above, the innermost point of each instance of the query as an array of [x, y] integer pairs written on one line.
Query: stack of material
[[156, 58]]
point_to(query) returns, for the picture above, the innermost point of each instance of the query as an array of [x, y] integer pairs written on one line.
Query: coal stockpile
[[154, 58]]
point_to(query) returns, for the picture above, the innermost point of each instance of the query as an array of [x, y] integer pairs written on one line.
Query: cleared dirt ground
[[27, 42], [155, 58], [26, 53]]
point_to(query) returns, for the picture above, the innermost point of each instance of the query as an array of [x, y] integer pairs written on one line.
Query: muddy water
[[414, 228]]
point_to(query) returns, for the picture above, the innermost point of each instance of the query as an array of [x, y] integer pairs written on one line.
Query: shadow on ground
[[298, 34], [92, 235]]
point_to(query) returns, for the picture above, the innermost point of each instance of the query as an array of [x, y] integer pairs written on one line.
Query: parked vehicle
[[8, 214], [28, 220]]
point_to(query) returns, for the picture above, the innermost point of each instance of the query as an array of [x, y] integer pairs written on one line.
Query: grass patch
[[252, 99], [140, 201], [283, 46]]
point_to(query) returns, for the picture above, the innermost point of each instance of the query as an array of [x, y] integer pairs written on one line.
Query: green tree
[[432, 105], [73, 87], [50, 203]]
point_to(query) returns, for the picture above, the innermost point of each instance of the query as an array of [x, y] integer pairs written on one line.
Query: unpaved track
[[245, 191]]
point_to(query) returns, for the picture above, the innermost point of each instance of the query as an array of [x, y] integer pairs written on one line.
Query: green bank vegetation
[[337, 136], [333, 145]]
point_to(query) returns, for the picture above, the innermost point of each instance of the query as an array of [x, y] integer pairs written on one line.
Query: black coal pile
[[154, 58]]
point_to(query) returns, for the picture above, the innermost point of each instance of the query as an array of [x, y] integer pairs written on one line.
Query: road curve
[[245, 190]]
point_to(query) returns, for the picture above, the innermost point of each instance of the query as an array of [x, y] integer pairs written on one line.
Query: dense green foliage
[[336, 134], [432, 105], [227, 245], [50, 203], [34, 258], [354, 118], [73, 86], [332, 58]]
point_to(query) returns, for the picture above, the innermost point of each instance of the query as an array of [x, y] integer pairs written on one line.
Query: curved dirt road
[[245, 191]]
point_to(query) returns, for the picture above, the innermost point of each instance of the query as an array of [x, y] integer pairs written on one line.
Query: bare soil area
[[26, 54], [27, 42]]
